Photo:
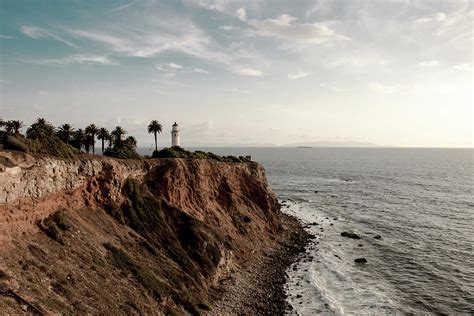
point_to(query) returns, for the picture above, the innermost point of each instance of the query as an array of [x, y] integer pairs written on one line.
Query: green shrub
[[178, 152], [121, 153], [165, 153], [146, 277], [48, 144], [54, 224]]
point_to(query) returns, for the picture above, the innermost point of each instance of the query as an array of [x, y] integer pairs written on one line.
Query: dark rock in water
[[350, 235], [378, 237], [331, 224], [314, 223], [316, 191], [335, 218], [360, 245], [298, 296], [337, 256], [360, 260]]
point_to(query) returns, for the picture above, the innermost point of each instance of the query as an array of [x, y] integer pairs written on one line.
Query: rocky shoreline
[[258, 289]]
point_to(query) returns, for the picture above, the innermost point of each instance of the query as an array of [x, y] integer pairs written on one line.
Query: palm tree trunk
[[156, 143], [93, 144], [102, 146]]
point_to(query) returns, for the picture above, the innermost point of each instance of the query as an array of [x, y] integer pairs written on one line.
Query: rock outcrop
[[105, 236]]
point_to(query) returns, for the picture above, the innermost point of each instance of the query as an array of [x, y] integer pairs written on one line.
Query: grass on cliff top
[[178, 152], [122, 153], [49, 145]]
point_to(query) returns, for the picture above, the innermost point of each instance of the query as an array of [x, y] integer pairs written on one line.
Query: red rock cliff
[[99, 235]]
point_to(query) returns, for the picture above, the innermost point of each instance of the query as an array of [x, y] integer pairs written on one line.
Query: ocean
[[420, 202]]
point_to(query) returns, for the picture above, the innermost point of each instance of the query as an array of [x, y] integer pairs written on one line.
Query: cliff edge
[[106, 236]]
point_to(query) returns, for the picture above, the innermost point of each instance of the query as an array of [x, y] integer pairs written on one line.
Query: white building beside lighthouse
[[175, 135]]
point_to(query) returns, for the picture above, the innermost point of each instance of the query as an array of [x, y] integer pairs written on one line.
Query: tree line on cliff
[[66, 141], [42, 137]]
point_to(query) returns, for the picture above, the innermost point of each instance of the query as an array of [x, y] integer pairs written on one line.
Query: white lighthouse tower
[[175, 135]]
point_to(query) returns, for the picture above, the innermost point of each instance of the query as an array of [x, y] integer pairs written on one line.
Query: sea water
[[421, 203]]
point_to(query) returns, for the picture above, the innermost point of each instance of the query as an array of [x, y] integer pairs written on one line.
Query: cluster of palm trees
[[12, 126], [80, 138]]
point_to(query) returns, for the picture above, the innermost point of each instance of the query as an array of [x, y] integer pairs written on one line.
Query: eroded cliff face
[[99, 235]]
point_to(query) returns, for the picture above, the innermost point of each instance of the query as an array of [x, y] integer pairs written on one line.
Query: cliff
[[105, 236]]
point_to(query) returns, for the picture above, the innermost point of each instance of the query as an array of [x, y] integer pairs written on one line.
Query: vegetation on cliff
[[178, 152], [65, 141]]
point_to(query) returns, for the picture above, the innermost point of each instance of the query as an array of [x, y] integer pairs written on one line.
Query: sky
[[390, 72]]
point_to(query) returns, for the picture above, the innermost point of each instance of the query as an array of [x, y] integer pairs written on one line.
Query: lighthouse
[[175, 135]]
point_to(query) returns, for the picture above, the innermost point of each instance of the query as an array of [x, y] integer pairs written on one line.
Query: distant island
[[333, 144]]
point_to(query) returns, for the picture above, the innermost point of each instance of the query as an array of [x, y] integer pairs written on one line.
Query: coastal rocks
[[377, 237], [350, 235], [360, 260]]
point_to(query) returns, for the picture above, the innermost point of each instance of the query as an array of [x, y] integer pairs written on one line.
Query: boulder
[[377, 237], [350, 235], [360, 260]]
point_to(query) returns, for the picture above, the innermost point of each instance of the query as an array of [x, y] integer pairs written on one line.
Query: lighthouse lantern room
[[175, 135]]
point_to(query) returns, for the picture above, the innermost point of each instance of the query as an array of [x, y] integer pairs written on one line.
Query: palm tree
[[117, 134], [92, 130], [13, 126], [155, 127], [65, 132], [130, 142], [88, 142], [103, 134], [79, 137], [40, 129]]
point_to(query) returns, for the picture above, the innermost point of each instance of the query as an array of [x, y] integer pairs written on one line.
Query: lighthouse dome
[[175, 127]]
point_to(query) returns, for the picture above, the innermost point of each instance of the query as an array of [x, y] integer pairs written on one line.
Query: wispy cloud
[[242, 14], [38, 33], [357, 61], [382, 88], [228, 27], [463, 67], [438, 17], [124, 6], [331, 87], [172, 69], [429, 63], [245, 71], [237, 90], [218, 5], [298, 75], [83, 59], [286, 27], [6, 37], [201, 71]]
